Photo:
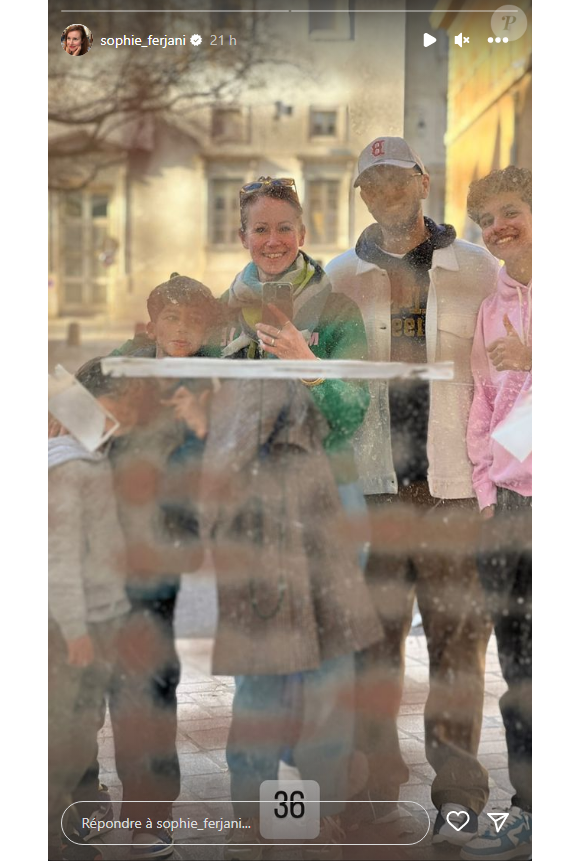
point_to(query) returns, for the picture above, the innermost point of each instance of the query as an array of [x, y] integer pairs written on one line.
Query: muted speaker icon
[[461, 40]]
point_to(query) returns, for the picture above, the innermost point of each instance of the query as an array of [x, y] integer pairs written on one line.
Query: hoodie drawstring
[[525, 333]]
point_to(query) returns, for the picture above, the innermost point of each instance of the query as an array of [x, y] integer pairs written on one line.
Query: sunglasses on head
[[263, 181]]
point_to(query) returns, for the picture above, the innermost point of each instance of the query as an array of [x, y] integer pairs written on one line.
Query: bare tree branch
[[97, 116]]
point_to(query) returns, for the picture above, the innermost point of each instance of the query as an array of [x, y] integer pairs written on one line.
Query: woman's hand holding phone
[[283, 340]]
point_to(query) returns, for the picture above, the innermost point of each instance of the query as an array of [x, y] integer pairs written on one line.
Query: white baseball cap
[[386, 150]]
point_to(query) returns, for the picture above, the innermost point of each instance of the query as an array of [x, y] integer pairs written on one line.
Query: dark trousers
[[505, 569], [143, 707], [425, 547]]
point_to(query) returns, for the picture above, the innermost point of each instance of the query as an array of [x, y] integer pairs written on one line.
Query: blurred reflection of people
[[293, 606], [76, 41], [88, 608], [158, 515], [419, 289], [162, 541], [324, 324], [319, 324], [501, 203]]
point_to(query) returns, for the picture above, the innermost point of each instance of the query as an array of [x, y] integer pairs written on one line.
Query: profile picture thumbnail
[[76, 39]]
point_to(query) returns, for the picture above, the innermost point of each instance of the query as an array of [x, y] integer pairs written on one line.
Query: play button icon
[[428, 40]]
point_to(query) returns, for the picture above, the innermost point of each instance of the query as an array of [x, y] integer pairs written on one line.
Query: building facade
[[172, 204], [489, 119]]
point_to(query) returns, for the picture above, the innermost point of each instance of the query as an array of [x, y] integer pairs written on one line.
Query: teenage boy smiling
[[501, 204]]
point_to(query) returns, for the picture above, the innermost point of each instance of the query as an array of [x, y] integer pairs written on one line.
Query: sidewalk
[[204, 713], [71, 358]]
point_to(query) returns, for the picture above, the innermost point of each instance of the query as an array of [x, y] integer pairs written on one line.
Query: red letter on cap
[[378, 148]]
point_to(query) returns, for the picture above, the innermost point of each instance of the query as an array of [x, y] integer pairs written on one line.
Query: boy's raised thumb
[[508, 326]]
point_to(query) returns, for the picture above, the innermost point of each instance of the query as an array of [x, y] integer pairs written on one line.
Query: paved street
[[204, 709]]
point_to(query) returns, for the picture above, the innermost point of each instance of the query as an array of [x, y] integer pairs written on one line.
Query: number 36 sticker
[[289, 809]]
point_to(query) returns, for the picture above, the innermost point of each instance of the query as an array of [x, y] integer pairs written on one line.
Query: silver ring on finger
[[272, 341]]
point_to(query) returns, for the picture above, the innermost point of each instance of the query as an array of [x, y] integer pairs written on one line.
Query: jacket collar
[[443, 258], [365, 266]]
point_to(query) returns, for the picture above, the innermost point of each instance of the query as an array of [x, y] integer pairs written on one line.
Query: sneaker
[[444, 832], [364, 811], [151, 844], [513, 840], [245, 843], [328, 845], [73, 852], [388, 813], [102, 812]]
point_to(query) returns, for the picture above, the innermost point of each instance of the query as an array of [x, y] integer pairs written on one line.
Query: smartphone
[[279, 294]]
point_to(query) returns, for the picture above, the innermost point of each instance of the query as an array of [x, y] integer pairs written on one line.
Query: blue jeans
[[354, 503], [314, 710]]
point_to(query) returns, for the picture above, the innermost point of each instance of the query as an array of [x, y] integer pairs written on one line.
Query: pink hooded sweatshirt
[[497, 392]]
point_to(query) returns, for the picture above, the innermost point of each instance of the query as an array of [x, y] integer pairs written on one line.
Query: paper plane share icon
[[498, 820]]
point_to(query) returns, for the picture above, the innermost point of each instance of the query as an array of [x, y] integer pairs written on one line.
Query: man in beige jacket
[[419, 289]]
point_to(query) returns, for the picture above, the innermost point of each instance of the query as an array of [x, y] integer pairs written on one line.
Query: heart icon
[[457, 814]]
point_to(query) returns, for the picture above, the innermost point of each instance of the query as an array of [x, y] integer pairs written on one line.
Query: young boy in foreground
[[87, 602]]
